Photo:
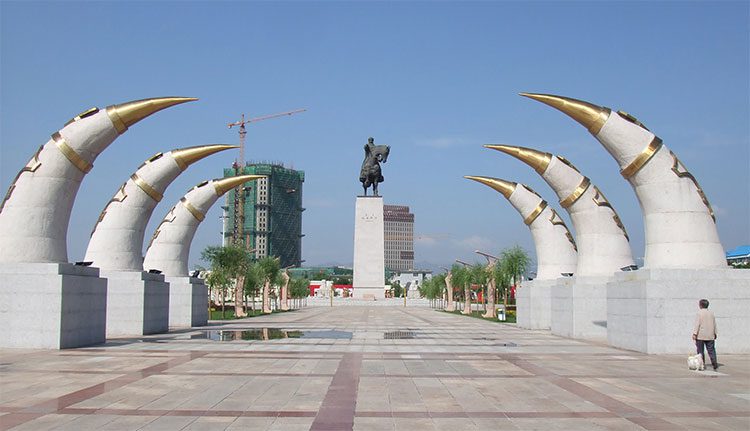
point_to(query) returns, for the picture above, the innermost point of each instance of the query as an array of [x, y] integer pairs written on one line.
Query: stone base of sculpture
[[51, 306], [534, 304], [188, 302], [137, 303], [369, 249], [653, 310], [579, 308]]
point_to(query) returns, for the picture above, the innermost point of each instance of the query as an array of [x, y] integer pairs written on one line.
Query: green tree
[[299, 288], [342, 279], [514, 262], [396, 289], [433, 288], [219, 280], [462, 278], [271, 276], [230, 262], [254, 279], [439, 285], [479, 276], [494, 279]]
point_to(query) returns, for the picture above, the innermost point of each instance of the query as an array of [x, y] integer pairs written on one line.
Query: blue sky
[[435, 80]]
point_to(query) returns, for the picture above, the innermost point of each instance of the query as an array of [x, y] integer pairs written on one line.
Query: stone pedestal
[[51, 306], [188, 302], [534, 304], [653, 310], [579, 307], [369, 249], [137, 303]]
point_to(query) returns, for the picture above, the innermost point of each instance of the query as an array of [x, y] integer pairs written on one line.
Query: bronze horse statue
[[371, 175]]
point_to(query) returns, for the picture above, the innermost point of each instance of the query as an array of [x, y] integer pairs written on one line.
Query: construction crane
[[239, 201]]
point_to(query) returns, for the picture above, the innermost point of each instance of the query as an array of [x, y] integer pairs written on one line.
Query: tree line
[[495, 278], [233, 267]]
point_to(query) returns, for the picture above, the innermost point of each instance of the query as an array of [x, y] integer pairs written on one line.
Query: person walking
[[704, 332]]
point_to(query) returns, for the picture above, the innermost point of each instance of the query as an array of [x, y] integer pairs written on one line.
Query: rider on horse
[[371, 174]]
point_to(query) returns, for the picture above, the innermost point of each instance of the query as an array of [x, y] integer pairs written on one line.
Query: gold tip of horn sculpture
[[187, 156], [536, 159], [591, 116], [506, 188], [126, 114], [225, 184]]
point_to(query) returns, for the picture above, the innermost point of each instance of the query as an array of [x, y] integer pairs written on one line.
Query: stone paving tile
[[457, 373], [291, 424], [47, 422], [210, 424], [251, 424], [84, 422], [122, 423], [168, 423]]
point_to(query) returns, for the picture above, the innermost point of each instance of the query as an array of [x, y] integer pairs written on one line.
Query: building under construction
[[272, 212]]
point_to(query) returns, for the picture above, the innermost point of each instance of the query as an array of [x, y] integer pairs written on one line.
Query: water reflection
[[265, 334]]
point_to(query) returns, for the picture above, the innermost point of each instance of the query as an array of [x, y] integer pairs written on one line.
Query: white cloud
[[429, 240], [719, 211], [475, 242]]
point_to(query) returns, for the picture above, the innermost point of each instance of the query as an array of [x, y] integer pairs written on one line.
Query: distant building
[[272, 212], [411, 280], [739, 256], [399, 238]]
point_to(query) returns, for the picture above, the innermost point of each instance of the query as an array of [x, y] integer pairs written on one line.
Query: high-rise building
[[399, 237], [272, 212]]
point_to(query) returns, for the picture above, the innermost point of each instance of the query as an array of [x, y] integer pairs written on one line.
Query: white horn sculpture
[[603, 246], [170, 246], [35, 213], [117, 239], [555, 248], [678, 219]]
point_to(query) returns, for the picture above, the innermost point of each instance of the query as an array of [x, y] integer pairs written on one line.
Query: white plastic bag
[[695, 362]]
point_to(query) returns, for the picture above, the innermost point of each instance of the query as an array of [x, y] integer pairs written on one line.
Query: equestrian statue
[[371, 175]]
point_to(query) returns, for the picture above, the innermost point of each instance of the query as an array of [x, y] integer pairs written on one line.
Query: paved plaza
[[366, 368]]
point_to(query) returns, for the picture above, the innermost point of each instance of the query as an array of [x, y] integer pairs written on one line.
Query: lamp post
[[491, 262]]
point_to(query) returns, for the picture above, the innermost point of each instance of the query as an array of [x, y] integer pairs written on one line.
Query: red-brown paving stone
[[337, 411]]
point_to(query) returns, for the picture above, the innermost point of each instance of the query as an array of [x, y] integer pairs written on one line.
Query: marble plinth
[[579, 308], [369, 249], [188, 302], [534, 304], [137, 303], [51, 306], [653, 310]]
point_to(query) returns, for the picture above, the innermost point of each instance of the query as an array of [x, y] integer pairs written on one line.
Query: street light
[[487, 256], [462, 262]]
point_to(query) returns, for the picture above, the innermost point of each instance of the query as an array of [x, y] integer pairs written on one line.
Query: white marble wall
[[188, 302], [137, 303], [579, 308], [51, 306], [653, 310], [534, 304], [369, 251]]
